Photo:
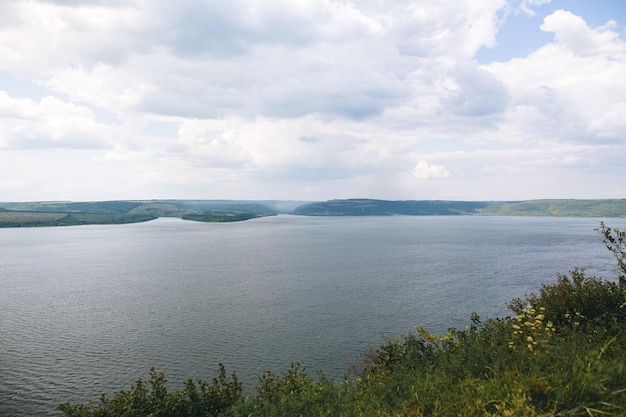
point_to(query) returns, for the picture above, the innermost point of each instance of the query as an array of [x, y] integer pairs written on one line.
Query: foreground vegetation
[[562, 353]]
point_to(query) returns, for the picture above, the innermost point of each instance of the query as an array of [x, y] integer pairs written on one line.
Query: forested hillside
[[368, 207], [29, 214]]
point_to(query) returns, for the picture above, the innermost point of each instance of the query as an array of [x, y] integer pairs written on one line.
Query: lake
[[87, 310]]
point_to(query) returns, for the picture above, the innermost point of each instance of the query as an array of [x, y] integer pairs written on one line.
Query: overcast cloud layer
[[311, 99]]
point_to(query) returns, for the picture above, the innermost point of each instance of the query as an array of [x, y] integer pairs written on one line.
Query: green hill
[[368, 207], [64, 213]]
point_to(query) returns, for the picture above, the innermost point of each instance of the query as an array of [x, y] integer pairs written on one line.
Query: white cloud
[[38, 39], [476, 92], [612, 123], [282, 58], [571, 32], [306, 99], [527, 6], [447, 29], [50, 123], [424, 170], [571, 89]]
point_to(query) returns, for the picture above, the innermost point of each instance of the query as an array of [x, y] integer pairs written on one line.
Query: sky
[[312, 99]]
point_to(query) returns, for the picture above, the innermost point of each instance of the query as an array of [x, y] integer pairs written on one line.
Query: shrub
[[615, 241], [151, 398], [575, 300]]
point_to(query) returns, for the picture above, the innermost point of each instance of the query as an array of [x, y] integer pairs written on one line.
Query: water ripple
[[88, 310]]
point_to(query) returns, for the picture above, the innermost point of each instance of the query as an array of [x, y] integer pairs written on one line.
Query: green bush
[[576, 300], [151, 398], [615, 241]]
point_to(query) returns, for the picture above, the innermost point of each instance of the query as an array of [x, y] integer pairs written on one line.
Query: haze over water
[[87, 310]]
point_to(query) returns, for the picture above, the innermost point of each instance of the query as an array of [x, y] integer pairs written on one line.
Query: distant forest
[[63, 213], [368, 207]]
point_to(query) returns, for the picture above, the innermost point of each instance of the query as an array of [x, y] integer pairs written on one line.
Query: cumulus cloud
[[281, 59], [38, 39], [424, 170], [573, 33], [236, 27], [354, 94], [49, 123], [476, 92], [447, 28], [207, 143], [249, 98], [571, 89]]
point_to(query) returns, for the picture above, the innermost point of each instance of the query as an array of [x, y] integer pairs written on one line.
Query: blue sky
[[312, 99], [520, 33]]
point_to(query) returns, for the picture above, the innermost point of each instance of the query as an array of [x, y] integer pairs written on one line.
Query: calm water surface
[[87, 310]]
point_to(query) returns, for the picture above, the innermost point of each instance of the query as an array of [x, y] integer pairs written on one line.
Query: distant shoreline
[[50, 214]]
